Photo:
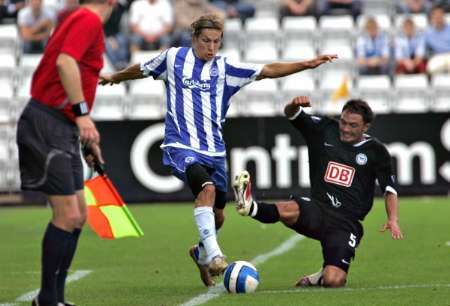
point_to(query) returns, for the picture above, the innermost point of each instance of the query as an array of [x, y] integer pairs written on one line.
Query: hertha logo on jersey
[[339, 174]]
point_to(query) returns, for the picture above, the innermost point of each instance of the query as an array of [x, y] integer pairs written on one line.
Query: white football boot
[[243, 193]]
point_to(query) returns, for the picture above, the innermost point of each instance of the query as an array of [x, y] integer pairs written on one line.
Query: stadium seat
[[109, 103], [298, 25], [374, 7], [143, 56], [298, 50], [299, 29], [28, 64], [146, 100], [6, 98], [376, 90], [298, 84], [9, 37], [3, 181], [411, 93], [262, 25], [22, 96], [233, 32], [420, 20], [7, 64], [345, 54], [4, 144], [231, 53], [261, 99], [440, 85], [261, 53], [338, 28], [261, 30]]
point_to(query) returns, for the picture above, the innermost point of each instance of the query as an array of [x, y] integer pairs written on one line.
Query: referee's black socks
[[65, 264], [264, 212], [54, 248]]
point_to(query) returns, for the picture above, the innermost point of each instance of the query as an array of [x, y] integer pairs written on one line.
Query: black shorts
[[338, 235], [49, 151]]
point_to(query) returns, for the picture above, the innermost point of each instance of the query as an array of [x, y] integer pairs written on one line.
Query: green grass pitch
[[156, 270]]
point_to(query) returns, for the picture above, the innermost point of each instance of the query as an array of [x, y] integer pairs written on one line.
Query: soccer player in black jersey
[[344, 163]]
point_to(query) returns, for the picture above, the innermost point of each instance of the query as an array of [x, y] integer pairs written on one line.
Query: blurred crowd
[[158, 24]]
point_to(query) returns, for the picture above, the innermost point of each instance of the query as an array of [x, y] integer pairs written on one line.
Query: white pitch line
[[220, 289], [77, 275], [346, 289]]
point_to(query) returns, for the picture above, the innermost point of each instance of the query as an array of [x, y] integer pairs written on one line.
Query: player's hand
[[88, 132], [93, 155], [106, 79], [294, 106], [393, 226], [322, 59]]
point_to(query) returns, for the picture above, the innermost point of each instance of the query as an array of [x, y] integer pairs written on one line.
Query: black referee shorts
[[49, 151], [338, 236]]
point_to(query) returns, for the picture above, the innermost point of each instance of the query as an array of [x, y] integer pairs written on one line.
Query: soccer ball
[[241, 277]]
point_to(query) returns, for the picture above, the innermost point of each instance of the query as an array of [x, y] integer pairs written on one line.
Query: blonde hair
[[210, 21]]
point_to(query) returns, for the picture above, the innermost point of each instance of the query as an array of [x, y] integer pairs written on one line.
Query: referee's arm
[[70, 76]]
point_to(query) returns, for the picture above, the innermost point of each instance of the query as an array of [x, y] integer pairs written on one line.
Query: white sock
[[254, 210], [204, 217]]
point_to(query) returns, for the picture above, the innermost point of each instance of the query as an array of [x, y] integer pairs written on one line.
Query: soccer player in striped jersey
[[199, 85]]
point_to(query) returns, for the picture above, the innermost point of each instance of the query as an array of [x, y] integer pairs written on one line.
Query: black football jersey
[[343, 175]]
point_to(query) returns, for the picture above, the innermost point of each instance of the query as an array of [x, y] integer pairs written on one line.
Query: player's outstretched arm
[[132, 72], [294, 106], [281, 69], [391, 202]]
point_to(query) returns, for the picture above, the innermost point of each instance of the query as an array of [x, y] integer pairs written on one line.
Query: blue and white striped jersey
[[198, 96]]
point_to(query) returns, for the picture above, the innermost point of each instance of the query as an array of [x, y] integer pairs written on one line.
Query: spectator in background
[[151, 22], [35, 25], [410, 50], [235, 8], [116, 42], [372, 50], [339, 7], [186, 12], [69, 7], [413, 6], [296, 8], [437, 40], [9, 9]]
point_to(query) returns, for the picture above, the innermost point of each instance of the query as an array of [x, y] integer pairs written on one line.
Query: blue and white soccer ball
[[241, 277]]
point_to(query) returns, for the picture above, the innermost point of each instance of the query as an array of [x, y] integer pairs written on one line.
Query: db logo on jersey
[[339, 174]]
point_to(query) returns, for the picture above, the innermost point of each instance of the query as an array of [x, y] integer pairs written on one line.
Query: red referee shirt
[[80, 35]]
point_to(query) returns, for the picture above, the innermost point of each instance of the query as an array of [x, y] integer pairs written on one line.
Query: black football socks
[[54, 247], [264, 212], [65, 264]]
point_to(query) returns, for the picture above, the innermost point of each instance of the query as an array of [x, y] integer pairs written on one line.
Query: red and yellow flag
[[108, 215]]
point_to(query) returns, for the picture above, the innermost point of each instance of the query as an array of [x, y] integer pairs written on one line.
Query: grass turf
[[156, 270]]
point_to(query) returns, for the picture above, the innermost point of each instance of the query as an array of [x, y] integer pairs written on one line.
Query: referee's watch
[[80, 109]]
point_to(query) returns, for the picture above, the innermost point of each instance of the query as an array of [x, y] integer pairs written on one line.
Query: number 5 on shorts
[[352, 241]]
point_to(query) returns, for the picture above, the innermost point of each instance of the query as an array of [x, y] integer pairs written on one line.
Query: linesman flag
[[108, 215]]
